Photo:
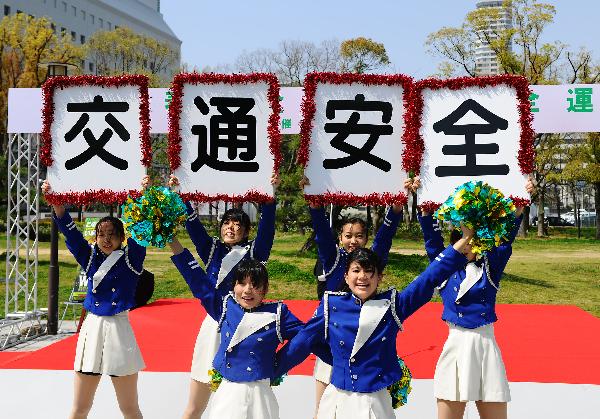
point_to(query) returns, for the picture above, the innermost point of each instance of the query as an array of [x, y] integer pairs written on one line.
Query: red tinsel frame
[[308, 112], [520, 202], [83, 198], [429, 206], [174, 146], [60, 82], [413, 151]]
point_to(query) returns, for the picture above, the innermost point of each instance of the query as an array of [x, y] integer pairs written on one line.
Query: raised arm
[[498, 257], [383, 240], [198, 234], [76, 243], [200, 284], [326, 241], [298, 348], [420, 291], [136, 254], [290, 324], [265, 233], [432, 235]]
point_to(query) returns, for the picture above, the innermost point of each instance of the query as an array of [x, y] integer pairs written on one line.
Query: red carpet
[[539, 343]]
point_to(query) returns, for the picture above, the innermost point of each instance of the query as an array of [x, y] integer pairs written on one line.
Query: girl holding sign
[[359, 328], [221, 256], [333, 257], [470, 367], [106, 343], [250, 332]]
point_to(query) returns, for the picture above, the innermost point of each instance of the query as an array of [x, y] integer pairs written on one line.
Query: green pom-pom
[[277, 380], [215, 379], [401, 388], [483, 208], [153, 218]]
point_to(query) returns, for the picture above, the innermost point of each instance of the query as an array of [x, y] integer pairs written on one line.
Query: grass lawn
[[557, 270]]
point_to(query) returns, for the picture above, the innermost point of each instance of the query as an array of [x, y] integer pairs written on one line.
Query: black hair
[[455, 235], [366, 258], [238, 216], [116, 223], [253, 269], [354, 220]]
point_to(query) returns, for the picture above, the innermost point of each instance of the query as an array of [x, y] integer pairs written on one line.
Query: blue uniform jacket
[[362, 337], [249, 339], [116, 292], [477, 307], [334, 258], [212, 251]]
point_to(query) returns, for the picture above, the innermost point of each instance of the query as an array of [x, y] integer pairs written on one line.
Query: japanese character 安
[[343, 130]]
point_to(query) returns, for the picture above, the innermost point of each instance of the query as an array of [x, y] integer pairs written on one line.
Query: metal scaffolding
[[23, 319]]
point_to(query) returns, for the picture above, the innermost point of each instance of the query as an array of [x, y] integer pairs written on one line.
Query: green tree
[[519, 50], [585, 162], [122, 51], [532, 58], [583, 165], [362, 55], [292, 211], [27, 43]]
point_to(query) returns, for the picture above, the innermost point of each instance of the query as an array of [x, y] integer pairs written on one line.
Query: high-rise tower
[[486, 61]]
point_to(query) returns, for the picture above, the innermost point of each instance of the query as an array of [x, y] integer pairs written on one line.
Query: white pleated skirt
[[470, 367], [322, 371], [207, 344], [107, 345], [248, 400], [342, 404]]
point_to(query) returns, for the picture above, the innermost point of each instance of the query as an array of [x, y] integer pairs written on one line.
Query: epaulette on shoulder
[[390, 288], [212, 251], [393, 308], [336, 292], [225, 299]]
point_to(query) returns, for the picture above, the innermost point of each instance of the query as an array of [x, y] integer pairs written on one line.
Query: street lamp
[[54, 69]]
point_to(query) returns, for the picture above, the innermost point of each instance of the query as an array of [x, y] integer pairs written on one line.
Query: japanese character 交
[[96, 145]]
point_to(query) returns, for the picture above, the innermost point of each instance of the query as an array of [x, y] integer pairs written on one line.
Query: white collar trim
[[371, 313], [250, 324]]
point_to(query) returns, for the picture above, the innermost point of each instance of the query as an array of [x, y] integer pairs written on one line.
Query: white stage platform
[[33, 394]]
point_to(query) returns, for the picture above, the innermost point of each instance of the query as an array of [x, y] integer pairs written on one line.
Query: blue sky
[[216, 32]]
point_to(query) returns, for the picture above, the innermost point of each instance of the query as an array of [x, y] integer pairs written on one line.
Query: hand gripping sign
[[95, 137], [351, 138], [468, 129], [224, 136]]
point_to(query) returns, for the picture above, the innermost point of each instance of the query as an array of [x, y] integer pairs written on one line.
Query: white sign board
[[291, 102], [566, 108], [549, 106], [355, 145], [96, 140], [469, 134], [225, 151]]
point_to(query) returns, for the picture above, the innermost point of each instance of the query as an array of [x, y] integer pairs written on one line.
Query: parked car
[[555, 220]]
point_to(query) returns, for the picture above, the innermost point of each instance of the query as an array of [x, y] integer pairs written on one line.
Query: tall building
[[82, 18], [486, 62]]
